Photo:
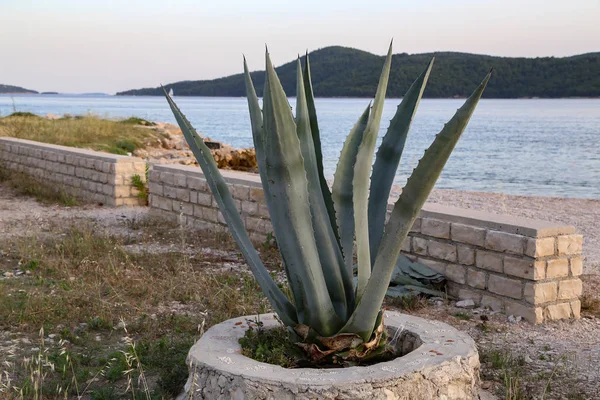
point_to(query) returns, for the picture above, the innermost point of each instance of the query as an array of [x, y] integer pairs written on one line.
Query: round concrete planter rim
[[218, 349]]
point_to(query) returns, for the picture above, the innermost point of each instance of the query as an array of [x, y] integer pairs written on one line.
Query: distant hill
[[15, 89], [345, 72]]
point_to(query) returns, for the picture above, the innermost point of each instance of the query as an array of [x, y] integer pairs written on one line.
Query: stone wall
[[522, 267], [93, 176]]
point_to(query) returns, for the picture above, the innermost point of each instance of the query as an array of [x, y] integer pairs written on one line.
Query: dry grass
[[118, 137], [26, 185], [78, 283]]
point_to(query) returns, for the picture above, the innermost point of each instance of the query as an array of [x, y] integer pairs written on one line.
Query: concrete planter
[[441, 363]]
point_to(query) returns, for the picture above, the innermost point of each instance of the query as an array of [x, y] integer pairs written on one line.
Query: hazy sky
[[113, 45]]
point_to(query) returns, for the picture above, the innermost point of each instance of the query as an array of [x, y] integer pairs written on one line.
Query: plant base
[[443, 364]]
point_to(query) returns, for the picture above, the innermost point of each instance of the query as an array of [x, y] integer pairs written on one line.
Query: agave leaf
[[284, 309], [258, 136], [338, 279], [289, 208], [314, 129], [342, 187], [422, 273], [406, 209], [360, 182], [388, 158]]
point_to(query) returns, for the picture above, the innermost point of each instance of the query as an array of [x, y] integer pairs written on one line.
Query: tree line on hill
[[345, 72]]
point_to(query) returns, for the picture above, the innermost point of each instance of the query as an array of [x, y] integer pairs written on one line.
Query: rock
[[468, 303], [53, 116], [514, 320], [141, 153], [527, 359], [8, 274]]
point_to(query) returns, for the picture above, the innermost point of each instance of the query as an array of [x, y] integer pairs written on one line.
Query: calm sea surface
[[526, 147]]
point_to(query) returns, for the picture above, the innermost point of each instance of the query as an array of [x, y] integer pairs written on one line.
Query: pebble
[[514, 320], [465, 303]]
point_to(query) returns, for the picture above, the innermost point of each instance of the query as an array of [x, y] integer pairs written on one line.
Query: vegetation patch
[[137, 121], [106, 323], [89, 132]]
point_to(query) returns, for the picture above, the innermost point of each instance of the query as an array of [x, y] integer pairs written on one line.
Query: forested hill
[[345, 72], [15, 89]]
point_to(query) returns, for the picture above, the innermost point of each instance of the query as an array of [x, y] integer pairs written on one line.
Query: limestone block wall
[[181, 193], [94, 176], [518, 266], [522, 267]]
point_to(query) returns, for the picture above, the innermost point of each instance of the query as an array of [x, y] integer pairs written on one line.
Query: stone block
[[504, 242], [435, 265], [557, 268], [419, 246], [531, 314], [464, 294], [187, 208], [164, 204], [476, 278], [198, 211], [524, 268], [442, 251], [257, 194], [170, 192], [466, 255], [570, 244], [197, 184], [416, 227], [167, 178], [504, 286], [180, 180], [558, 311], [406, 245], [576, 308], [540, 292], [488, 260], [263, 211], [210, 214], [221, 219], [259, 225], [541, 247], [456, 273], [250, 208], [467, 234], [240, 192], [435, 228], [183, 194], [205, 199], [122, 191], [155, 188], [569, 289], [576, 266], [494, 303]]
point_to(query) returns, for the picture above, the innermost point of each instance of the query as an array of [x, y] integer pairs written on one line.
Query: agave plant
[[318, 228]]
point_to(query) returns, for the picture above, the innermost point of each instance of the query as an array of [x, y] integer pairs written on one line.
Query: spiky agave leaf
[[337, 278], [406, 209], [342, 188], [316, 135], [290, 211], [284, 309], [360, 182], [388, 157]]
